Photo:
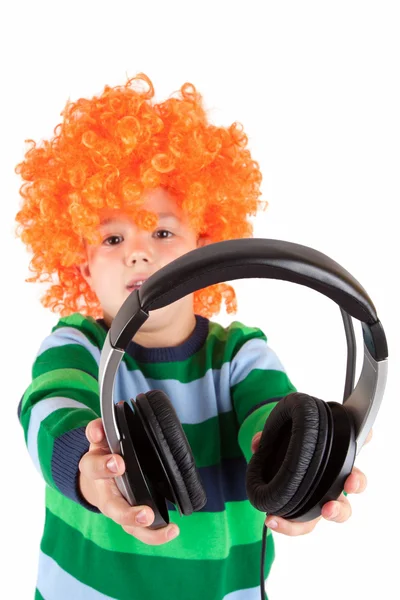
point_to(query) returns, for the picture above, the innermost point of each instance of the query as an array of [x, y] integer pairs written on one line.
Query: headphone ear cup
[[339, 464], [293, 450], [174, 449], [133, 484]]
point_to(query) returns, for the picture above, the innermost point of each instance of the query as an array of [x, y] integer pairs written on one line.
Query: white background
[[316, 86]]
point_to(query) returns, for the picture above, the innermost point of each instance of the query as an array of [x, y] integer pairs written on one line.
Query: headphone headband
[[243, 259]]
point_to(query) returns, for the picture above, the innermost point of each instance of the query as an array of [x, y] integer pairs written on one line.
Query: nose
[[138, 251]]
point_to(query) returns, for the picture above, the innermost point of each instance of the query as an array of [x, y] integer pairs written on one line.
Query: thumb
[[255, 442]]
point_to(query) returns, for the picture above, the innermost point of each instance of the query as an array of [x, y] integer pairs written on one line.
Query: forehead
[[121, 218]]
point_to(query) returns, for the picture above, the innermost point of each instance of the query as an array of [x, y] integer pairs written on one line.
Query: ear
[[85, 272]]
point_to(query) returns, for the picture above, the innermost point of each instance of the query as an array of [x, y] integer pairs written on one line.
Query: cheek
[[103, 269], [178, 250]]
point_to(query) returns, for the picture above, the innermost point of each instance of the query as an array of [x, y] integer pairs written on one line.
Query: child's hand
[[336, 510], [97, 485]]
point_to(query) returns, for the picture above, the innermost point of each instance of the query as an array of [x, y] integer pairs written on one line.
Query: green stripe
[[90, 399], [252, 425], [235, 328], [61, 380], [38, 595], [87, 325], [126, 577], [210, 356], [241, 521], [221, 346], [214, 439], [68, 356], [259, 385]]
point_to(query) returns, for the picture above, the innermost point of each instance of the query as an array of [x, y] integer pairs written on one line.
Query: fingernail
[[112, 465], [172, 533], [272, 524], [142, 517]]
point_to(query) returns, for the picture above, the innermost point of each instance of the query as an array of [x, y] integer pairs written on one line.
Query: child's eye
[[163, 234], [113, 240]]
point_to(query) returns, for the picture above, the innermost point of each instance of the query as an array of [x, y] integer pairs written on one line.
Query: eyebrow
[[160, 216]]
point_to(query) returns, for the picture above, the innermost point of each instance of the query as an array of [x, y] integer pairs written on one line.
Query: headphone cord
[[262, 581], [348, 388]]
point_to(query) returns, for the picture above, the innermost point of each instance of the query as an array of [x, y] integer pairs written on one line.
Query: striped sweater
[[223, 383]]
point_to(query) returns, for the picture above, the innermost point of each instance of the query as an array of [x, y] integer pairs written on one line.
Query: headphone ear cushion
[[175, 449], [293, 449]]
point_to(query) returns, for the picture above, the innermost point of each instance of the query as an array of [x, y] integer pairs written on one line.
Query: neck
[[167, 335]]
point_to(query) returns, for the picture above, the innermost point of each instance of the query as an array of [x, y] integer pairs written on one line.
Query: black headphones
[[308, 446]]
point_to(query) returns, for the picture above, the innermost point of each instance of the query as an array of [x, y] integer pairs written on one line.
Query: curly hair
[[106, 152]]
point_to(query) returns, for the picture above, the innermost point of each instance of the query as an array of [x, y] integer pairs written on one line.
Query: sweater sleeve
[[258, 381], [55, 409]]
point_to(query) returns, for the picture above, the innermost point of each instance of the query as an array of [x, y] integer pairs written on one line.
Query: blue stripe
[[68, 450], [54, 583], [69, 335]]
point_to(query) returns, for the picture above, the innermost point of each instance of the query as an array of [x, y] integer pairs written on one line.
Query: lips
[[136, 283]]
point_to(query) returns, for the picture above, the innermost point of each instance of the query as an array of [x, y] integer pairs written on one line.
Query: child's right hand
[[98, 487]]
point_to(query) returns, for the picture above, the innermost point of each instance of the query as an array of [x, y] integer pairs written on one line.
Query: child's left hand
[[337, 510]]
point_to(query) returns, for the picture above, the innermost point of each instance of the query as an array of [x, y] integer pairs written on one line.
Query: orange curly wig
[[103, 155]]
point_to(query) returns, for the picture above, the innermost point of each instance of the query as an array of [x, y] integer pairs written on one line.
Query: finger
[[288, 527], [95, 433], [368, 438], [114, 506], [136, 519], [356, 482], [101, 466], [337, 510], [255, 442], [153, 537]]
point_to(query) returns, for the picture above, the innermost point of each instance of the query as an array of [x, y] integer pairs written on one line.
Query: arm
[[59, 413], [58, 405], [258, 380]]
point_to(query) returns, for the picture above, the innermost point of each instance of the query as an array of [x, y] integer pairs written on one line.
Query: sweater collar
[[169, 354]]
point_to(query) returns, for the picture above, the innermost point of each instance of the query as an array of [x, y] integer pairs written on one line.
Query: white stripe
[[39, 412], [56, 584]]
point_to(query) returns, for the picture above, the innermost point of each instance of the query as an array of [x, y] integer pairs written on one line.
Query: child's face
[[127, 254]]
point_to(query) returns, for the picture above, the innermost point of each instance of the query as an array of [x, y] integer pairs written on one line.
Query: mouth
[[135, 285]]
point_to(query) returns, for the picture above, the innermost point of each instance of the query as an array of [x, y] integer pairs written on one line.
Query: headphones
[[308, 446]]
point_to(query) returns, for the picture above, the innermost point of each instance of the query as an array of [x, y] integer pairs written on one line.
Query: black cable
[[348, 388], [264, 543]]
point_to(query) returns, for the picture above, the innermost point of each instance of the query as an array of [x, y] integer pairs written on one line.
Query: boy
[[124, 188]]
